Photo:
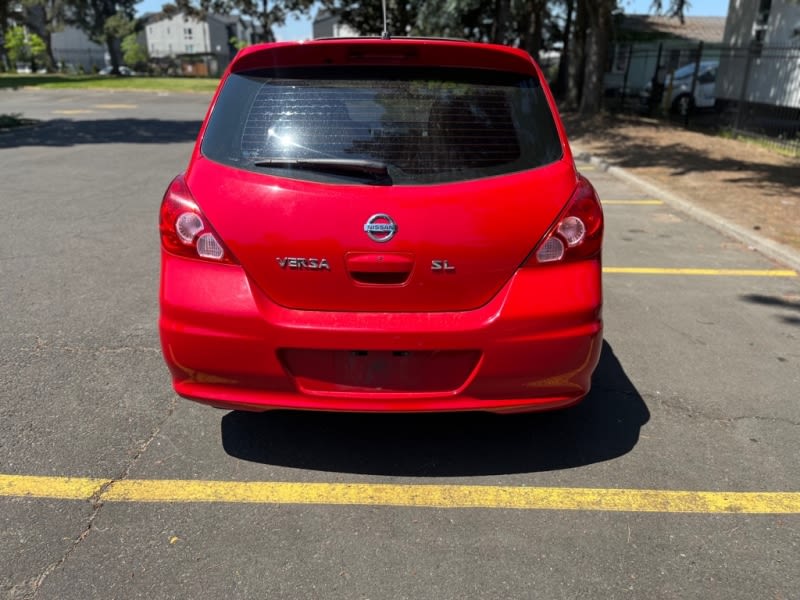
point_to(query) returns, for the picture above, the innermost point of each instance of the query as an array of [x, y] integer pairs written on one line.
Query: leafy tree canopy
[[266, 13], [23, 46]]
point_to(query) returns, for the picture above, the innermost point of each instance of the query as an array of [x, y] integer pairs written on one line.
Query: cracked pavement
[[697, 390]]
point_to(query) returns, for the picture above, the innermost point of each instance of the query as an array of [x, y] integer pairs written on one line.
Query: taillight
[[184, 229], [578, 233]]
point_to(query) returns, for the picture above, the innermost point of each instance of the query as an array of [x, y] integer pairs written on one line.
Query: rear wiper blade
[[333, 165]]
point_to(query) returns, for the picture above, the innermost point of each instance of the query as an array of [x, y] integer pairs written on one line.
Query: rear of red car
[[382, 225]]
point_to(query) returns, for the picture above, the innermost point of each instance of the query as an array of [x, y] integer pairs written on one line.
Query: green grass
[[160, 84], [784, 148]]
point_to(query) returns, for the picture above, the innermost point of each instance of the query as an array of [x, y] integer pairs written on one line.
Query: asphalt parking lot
[[676, 478]]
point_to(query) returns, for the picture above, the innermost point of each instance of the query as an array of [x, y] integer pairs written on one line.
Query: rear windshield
[[386, 126]]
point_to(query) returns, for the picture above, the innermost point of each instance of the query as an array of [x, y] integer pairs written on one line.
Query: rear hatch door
[[390, 188]]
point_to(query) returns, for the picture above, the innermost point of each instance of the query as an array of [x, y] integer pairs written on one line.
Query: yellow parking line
[[708, 272], [65, 488], [73, 111], [115, 106], [632, 202], [423, 496]]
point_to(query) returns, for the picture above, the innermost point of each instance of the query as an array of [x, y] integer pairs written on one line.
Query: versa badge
[[303, 264]]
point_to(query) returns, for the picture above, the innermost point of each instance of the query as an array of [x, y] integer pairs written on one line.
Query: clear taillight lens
[[184, 229], [578, 233]]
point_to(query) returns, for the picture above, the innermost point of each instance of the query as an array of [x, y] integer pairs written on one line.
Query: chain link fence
[[740, 91]]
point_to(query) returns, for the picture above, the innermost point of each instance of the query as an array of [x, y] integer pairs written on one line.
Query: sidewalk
[[755, 190]]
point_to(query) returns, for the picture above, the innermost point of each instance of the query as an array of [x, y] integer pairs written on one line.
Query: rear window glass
[[388, 126]]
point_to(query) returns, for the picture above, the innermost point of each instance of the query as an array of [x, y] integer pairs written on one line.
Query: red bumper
[[534, 346]]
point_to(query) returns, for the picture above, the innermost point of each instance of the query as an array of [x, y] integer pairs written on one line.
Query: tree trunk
[[47, 38], [577, 58], [114, 53], [599, 14], [267, 34], [3, 27], [37, 21], [563, 61], [532, 36], [500, 27]]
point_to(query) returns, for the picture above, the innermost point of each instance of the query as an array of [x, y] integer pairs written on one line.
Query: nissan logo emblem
[[380, 228]]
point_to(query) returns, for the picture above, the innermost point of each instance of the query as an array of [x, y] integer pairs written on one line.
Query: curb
[[769, 248]]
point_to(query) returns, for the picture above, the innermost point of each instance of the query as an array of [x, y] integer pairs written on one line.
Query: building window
[[762, 18], [187, 32], [189, 48]]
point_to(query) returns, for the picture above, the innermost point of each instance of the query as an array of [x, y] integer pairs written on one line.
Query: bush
[[23, 46]]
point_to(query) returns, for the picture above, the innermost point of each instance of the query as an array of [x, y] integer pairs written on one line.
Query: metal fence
[[744, 91], [87, 60]]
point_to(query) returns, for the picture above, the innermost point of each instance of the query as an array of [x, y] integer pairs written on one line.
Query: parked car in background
[[382, 225], [123, 70], [679, 87]]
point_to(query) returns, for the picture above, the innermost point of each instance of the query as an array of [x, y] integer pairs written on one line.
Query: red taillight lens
[[578, 233], [184, 229]]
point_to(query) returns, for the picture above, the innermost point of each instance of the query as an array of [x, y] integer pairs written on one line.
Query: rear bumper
[[534, 346]]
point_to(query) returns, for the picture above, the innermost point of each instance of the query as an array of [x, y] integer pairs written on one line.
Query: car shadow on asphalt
[[65, 132], [604, 426]]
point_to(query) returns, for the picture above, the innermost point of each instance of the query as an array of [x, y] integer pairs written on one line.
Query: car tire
[[682, 105]]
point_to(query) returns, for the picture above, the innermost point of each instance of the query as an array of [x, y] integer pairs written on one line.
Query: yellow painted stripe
[[116, 106], [65, 488], [632, 202], [73, 111], [708, 272], [423, 496]]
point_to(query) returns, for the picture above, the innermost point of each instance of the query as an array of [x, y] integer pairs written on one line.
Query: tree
[[24, 46], [576, 57], [133, 53], [676, 8], [237, 43], [4, 9], [44, 17], [41, 17], [105, 22], [598, 19], [531, 24], [533, 14], [403, 18], [564, 35], [266, 14]]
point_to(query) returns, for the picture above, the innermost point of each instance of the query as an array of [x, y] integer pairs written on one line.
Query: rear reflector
[[551, 250]]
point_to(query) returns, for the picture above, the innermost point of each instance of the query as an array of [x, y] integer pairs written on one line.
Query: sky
[[301, 29]]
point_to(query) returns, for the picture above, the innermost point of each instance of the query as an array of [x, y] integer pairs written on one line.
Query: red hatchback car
[[382, 225]]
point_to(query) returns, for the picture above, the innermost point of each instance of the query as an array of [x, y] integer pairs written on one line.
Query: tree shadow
[[17, 81], [66, 132], [783, 304], [622, 148], [604, 426]]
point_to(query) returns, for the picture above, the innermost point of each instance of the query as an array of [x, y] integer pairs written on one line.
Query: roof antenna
[[385, 34]]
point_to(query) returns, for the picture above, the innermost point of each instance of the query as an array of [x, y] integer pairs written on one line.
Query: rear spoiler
[[412, 52]]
